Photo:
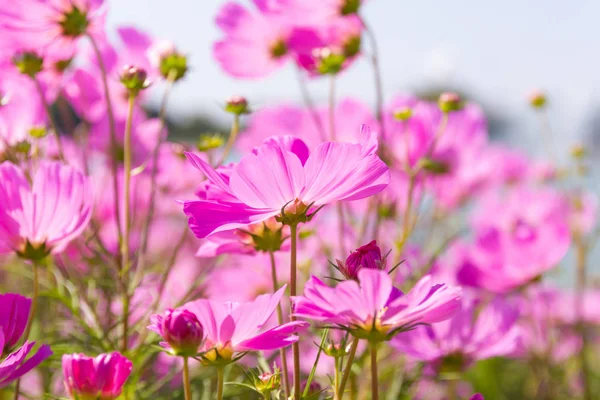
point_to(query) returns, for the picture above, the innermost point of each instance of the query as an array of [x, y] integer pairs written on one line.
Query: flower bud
[[403, 114], [436, 167], [351, 46], [171, 63], [537, 99], [328, 61], [350, 7], [237, 105], [181, 330], [449, 101], [578, 152], [134, 79], [29, 63], [38, 132], [209, 141], [268, 382], [367, 256]]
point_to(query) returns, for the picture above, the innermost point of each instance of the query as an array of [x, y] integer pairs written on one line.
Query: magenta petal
[[275, 338], [339, 171], [206, 218]]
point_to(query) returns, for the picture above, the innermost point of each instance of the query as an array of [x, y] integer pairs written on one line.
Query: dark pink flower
[[14, 314], [15, 365], [366, 256], [181, 330], [101, 377]]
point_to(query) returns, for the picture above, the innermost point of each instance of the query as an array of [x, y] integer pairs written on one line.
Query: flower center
[[74, 23], [350, 7], [279, 49]]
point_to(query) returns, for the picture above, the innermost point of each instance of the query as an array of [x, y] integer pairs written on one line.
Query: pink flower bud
[[449, 101], [367, 256], [237, 105], [134, 79], [537, 99], [181, 330]]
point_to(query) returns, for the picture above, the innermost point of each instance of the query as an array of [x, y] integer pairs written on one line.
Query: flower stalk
[[187, 390], [347, 370], [282, 355]]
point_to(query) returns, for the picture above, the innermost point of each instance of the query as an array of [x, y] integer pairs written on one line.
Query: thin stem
[[295, 346], [336, 376], [187, 390], [40, 90], [152, 205], [126, 223], [374, 373], [341, 227], [113, 136], [451, 389], [378, 82], [220, 382], [332, 133], [235, 128], [308, 103], [406, 226], [284, 366], [347, 370], [32, 311], [581, 257]]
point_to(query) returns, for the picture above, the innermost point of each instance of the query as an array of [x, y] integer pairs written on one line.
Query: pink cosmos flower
[[95, 377], [320, 11], [519, 236], [44, 216], [333, 172], [235, 328], [15, 366], [258, 42], [51, 28], [373, 308], [472, 334], [14, 314]]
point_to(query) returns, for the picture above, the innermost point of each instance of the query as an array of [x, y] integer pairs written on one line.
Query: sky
[[499, 51]]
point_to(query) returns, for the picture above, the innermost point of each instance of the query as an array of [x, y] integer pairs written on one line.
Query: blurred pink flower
[[473, 334], [366, 256], [519, 236], [46, 215], [374, 309], [260, 41], [333, 172], [14, 314], [232, 328], [51, 28], [100, 377]]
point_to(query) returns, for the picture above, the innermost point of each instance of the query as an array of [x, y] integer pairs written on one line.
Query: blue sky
[[497, 50]]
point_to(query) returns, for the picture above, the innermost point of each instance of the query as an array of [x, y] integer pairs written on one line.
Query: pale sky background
[[497, 50]]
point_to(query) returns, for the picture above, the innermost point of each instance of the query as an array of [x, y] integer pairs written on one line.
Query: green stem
[[284, 366], [378, 84], [187, 390], [293, 288], [38, 86], [126, 220], [220, 382], [336, 376], [113, 135], [235, 128], [374, 373], [33, 309], [406, 225], [451, 389], [581, 257], [332, 133], [347, 370]]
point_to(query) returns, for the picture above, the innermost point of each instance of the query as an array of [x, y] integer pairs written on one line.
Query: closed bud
[[237, 105], [350, 7], [209, 141], [434, 166], [38, 132], [171, 63], [134, 79], [578, 152], [268, 382], [29, 63], [449, 102], [181, 330], [537, 99], [403, 114], [367, 256]]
